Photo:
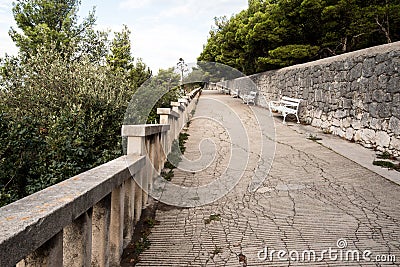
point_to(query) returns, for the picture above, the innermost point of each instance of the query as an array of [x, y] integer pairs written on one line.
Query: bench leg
[[298, 121], [284, 117]]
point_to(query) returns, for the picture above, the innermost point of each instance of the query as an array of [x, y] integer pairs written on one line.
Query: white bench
[[285, 106], [235, 93], [225, 90], [250, 98]]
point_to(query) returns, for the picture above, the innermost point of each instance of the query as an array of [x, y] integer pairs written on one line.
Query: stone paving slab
[[311, 199]]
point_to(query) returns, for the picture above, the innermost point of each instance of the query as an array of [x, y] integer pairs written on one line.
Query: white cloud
[[6, 21], [6, 16], [159, 46], [178, 30], [162, 30], [5, 4], [7, 46], [134, 4], [203, 9]]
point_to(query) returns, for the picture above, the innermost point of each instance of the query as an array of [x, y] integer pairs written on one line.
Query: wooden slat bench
[[250, 98], [235, 93], [285, 106]]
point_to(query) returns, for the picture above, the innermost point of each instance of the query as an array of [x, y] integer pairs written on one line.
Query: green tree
[[47, 23], [62, 103], [58, 118], [275, 33], [120, 59], [139, 74], [157, 92], [289, 55]]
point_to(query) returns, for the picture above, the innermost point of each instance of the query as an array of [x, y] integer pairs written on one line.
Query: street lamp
[[182, 66]]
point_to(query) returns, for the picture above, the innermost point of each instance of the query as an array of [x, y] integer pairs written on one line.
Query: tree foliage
[[58, 118], [46, 23], [120, 59], [157, 92], [275, 33], [63, 98]]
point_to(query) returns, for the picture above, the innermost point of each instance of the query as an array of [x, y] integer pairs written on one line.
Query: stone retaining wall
[[355, 95]]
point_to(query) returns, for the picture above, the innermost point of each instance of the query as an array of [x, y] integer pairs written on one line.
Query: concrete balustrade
[[147, 140], [89, 219], [170, 117], [184, 102], [53, 227], [180, 109]]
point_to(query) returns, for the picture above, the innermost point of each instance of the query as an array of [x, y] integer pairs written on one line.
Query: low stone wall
[[354, 95]]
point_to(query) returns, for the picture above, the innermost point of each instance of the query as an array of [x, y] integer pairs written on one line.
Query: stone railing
[[355, 95], [89, 219]]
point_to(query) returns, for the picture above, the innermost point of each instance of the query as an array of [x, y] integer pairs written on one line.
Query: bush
[[61, 117], [58, 118]]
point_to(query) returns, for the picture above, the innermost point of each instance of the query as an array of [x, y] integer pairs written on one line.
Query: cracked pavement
[[307, 198]]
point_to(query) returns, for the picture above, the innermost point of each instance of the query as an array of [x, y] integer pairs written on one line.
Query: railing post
[[138, 197], [149, 141], [49, 254], [169, 116], [165, 118], [117, 224], [178, 108], [129, 210], [137, 146], [78, 241], [184, 102], [101, 232], [142, 140]]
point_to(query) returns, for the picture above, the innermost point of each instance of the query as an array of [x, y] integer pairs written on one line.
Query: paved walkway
[[311, 198]]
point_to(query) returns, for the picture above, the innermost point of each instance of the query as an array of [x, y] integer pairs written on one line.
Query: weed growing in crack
[[177, 149], [142, 245], [150, 222], [183, 137], [175, 156], [313, 137], [213, 217], [387, 164], [140, 241], [168, 175]]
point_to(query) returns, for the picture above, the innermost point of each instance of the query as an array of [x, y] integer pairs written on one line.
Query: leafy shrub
[[61, 117], [58, 118]]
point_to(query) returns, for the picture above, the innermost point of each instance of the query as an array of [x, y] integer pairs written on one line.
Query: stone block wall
[[355, 95]]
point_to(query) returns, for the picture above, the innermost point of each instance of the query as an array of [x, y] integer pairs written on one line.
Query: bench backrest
[[289, 101], [253, 94]]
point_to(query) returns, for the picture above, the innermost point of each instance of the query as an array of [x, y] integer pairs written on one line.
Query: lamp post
[[181, 65]]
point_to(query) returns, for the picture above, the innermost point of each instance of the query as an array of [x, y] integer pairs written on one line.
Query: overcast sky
[[162, 30]]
